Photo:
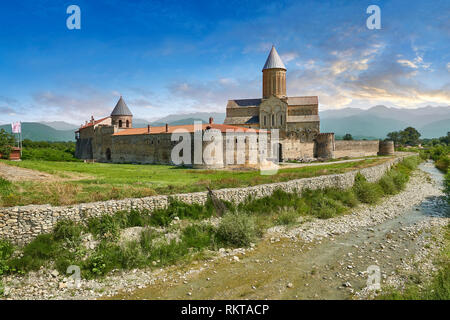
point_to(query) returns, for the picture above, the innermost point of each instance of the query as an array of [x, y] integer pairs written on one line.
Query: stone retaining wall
[[21, 224]]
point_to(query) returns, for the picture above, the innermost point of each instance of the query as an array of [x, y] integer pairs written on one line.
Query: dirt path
[[328, 267], [15, 174]]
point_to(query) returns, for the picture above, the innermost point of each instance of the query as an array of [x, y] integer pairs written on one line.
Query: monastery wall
[[355, 148]]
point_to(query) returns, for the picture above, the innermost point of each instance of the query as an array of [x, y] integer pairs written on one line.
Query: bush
[[325, 208], [278, 200], [36, 253], [346, 197], [6, 251], [105, 226], [365, 191], [388, 185], [443, 163], [198, 236], [410, 163], [176, 208], [67, 230], [287, 217], [95, 265], [236, 229]]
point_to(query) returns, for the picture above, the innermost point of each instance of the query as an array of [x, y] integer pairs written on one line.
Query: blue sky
[[186, 56]]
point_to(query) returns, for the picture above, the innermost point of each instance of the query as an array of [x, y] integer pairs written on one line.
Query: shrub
[[147, 237], [198, 236], [443, 163], [95, 265], [325, 208], [236, 229], [67, 230], [278, 200], [182, 210], [365, 191], [346, 197], [36, 253], [388, 185], [287, 217], [400, 178], [6, 251], [104, 227], [138, 218]]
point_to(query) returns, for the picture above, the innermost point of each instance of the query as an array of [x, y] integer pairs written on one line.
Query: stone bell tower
[[274, 76], [121, 116]]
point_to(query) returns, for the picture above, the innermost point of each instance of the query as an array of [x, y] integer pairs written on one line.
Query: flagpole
[[20, 139]]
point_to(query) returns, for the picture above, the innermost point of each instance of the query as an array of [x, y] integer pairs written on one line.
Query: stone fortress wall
[[355, 148], [22, 224]]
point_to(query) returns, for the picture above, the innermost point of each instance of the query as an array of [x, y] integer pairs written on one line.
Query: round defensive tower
[[121, 116], [386, 148], [274, 76], [324, 146]]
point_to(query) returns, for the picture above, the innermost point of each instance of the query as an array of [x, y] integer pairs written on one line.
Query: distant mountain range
[[41, 132], [378, 121], [374, 123]]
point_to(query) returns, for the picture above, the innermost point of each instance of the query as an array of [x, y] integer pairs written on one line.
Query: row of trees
[[408, 137], [38, 150]]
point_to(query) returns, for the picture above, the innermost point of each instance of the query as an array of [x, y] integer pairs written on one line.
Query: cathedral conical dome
[[121, 109], [274, 61]]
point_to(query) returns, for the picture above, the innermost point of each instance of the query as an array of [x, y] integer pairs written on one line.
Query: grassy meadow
[[78, 182]]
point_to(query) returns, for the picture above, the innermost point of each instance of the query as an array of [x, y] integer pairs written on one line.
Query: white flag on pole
[[16, 127]]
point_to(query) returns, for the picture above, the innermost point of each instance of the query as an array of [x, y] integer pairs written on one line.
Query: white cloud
[[289, 56]]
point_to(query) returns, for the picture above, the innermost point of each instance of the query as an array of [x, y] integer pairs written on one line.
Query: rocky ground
[[319, 259]]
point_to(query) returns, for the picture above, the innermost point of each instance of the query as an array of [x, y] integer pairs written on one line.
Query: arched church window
[[273, 120], [120, 123], [128, 123], [281, 119], [265, 121]]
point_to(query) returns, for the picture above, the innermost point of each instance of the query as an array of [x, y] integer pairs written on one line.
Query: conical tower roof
[[273, 60], [121, 109]]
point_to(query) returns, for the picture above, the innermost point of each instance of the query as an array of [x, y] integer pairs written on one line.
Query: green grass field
[[77, 182]]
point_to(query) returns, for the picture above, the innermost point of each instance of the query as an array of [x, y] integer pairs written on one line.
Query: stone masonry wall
[[355, 148], [21, 224]]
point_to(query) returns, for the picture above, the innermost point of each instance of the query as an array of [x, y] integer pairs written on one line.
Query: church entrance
[[108, 154]]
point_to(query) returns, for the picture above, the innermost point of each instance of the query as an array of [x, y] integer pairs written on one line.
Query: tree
[[394, 136], [348, 136], [410, 136], [7, 141]]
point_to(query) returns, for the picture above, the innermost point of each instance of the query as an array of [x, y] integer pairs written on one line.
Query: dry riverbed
[[317, 259]]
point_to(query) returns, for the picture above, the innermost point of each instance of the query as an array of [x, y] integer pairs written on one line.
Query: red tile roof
[[188, 127], [92, 123]]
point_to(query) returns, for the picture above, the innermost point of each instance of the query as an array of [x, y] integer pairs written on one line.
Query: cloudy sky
[[185, 56]]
